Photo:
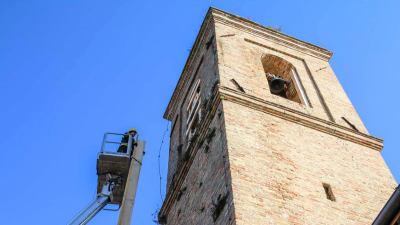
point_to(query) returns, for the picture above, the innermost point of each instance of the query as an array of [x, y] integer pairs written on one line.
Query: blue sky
[[72, 70]]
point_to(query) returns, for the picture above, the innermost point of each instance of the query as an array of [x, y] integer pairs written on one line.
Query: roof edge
[[191, 57], [325, 52]]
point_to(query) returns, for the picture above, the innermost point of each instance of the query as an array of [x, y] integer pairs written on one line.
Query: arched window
[[283, 79]]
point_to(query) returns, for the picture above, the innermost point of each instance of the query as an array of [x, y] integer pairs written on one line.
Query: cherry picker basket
[[113, 162]]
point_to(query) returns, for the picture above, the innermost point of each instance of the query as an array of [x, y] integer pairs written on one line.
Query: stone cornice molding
[[301, 118], [270, 34]]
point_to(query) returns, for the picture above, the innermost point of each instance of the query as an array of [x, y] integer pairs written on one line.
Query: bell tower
[[263, 133]]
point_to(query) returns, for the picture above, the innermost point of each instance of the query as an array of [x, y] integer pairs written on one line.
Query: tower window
[[329, 192], [193, 111], [283, 79]]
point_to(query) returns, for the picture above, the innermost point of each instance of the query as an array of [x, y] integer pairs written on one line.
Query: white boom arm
[[98, 204]]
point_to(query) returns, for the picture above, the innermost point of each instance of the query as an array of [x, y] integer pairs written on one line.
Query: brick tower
[[263, 133]]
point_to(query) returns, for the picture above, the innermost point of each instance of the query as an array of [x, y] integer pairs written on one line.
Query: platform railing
[[106, 141]]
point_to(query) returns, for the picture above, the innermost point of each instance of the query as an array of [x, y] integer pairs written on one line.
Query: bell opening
[[279, 74]]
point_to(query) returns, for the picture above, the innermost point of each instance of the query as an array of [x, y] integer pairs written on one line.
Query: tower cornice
[[301, 118], [273, 35]]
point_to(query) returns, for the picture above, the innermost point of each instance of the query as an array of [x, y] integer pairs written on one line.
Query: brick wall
[[202, 67], [278, 168], [206, 183]]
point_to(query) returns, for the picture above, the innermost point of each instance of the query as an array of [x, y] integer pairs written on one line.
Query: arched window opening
[[282, 78]]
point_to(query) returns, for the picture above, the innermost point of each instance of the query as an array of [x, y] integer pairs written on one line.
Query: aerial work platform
[[114, 164], [118, 167]]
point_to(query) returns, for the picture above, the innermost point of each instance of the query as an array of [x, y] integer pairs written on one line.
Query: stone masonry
[[240, 154]]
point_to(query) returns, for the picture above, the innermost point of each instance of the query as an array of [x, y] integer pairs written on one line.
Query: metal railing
[[129, 144]]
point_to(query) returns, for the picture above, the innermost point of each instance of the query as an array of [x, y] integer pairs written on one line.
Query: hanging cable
[[159, 161]]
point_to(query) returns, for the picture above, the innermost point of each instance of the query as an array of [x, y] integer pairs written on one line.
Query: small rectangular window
[[329, 192]]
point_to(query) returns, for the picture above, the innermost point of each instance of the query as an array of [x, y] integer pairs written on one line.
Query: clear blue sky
[[71, 70]]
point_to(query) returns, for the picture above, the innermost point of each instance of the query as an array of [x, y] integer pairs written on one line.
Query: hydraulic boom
[[117, 177], [98, 204]]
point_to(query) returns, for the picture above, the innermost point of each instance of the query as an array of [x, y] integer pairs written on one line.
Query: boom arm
[[118, 174], [98, 204]]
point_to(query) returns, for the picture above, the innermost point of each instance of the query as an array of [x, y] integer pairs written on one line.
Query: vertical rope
[[159, 159]]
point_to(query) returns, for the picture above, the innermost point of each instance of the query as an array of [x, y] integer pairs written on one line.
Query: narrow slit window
[[329, 192]]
